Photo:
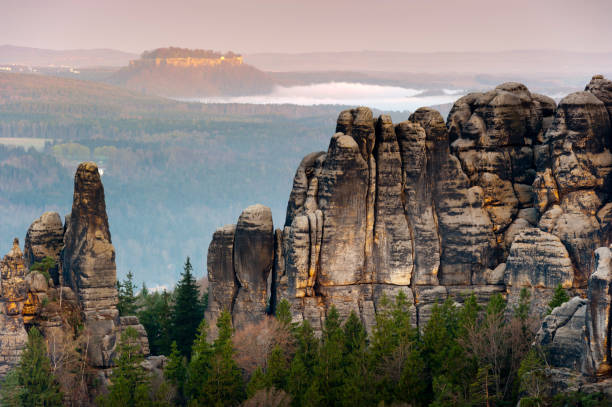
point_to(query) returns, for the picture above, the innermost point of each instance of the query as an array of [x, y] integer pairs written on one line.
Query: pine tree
[[10, 390], [198, 369], [187, 311], [130, 383], [258, 382], [38, 386], [301, 371], [392, 344], [329, 370], [175, 373], [127, 299], [277, 369], [144, 291], [225, 381], [560, 297], [443, 355], [44, 266], [482, 390], [154, 315], [356, 389], [283, 312]]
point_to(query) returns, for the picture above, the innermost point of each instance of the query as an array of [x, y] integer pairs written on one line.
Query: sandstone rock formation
[[88, 262], [45, 238], [511, 192], [562, 334], [240, 259], [598, 315], [86, 258], [13, 295]]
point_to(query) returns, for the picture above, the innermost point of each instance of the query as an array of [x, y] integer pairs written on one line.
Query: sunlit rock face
[[510, 192], [13, 295]]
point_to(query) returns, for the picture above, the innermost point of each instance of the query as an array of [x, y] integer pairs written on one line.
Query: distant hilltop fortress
[[186, 58]]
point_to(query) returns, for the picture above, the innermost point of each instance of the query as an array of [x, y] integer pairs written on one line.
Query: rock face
[[240, 260], [493, 135], [45, 238], [562, 334], [88, 262], [13, 295], [88, 267], [573, 182], [253, 258], [598, 315], [511, 192]]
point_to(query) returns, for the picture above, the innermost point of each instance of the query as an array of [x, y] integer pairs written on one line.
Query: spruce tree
[[301, 371], [175, 373], [130, 383], [125, 292], [356, 388], [443, 355], [560, 297], [154, 315], [187, 311], [393, 337], [38, 386], [277, 369], [224, 384], [257, 382], [11, 391], [329, 370], [283, 312], [198, 369]]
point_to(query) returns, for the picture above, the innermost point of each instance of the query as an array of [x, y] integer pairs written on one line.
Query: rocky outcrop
[[511, 192], [253, 257], [573, 182], [240, 260], [13, 295], [493, 135], [598, 315], [464, 229], [88, 260], [562, 335], [539, 262], [221, 276], [45, 238]]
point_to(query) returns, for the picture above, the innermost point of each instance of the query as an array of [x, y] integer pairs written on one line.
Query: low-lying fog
[[390, 98]]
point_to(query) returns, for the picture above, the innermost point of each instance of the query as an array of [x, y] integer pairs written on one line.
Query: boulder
[[538, 259], [562, 335]]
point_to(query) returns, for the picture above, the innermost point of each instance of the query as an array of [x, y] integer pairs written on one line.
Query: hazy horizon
[[316, 26]]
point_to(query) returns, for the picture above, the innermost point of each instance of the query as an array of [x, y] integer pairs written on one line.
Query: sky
[[252, 26]]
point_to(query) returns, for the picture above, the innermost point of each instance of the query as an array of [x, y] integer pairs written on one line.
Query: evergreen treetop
[[187, 311]]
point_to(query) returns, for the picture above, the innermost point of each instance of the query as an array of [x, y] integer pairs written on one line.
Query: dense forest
[[465, 355]]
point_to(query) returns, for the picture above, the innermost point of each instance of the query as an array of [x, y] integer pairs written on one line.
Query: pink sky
[[250, 26]]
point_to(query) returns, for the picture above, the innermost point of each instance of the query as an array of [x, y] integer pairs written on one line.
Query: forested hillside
[[172, 171]]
